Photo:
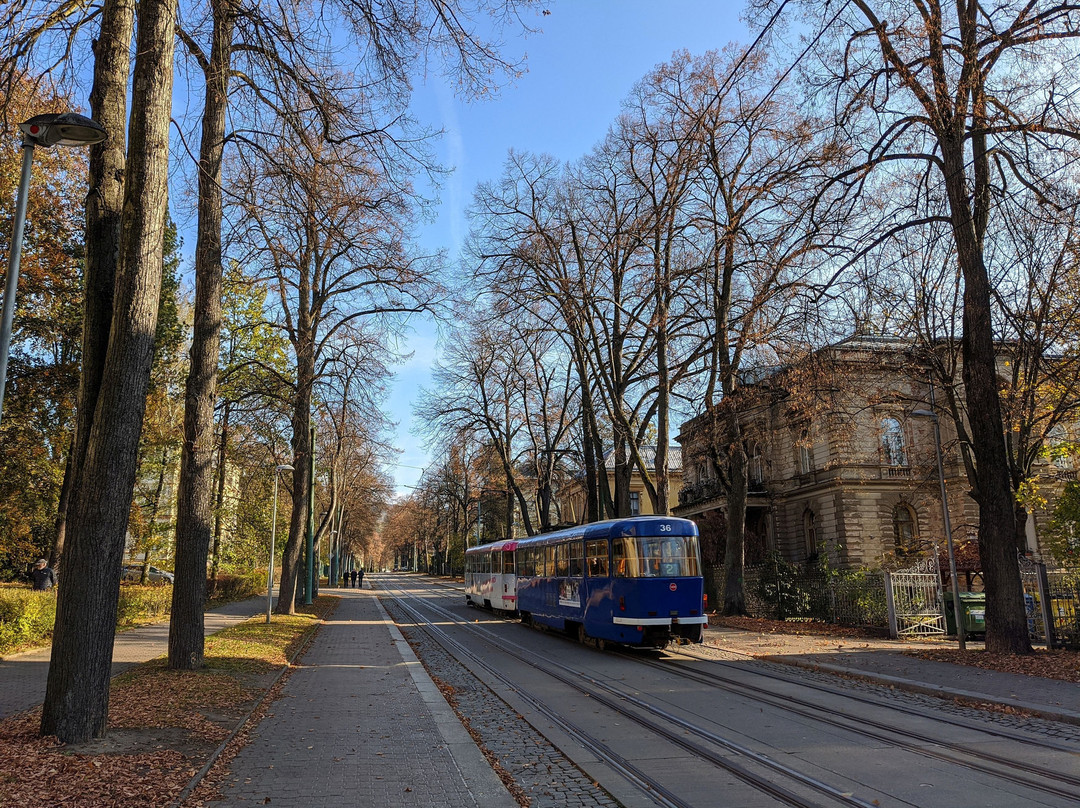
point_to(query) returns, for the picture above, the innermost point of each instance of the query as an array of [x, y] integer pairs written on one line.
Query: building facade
[[572, 496], [841, 461]]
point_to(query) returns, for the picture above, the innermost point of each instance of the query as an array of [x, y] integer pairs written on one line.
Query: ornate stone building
[[842, 461]]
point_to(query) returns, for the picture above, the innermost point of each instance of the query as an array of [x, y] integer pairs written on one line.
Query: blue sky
[[581, 66]]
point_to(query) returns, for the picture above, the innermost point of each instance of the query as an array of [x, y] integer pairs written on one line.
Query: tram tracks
[[756, 769], [1053, 782], [998, 766]]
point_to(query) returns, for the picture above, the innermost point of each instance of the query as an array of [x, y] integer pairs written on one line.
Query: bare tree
[[327, 230], [968, 95]]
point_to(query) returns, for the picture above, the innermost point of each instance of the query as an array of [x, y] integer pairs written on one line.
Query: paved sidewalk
[[885, 661], [23, 676], [361, 723]]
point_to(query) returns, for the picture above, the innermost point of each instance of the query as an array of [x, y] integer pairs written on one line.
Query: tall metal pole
[[960, 634], [14, 259], [957, 610], [270, 571], [273, 535], [310, 590]]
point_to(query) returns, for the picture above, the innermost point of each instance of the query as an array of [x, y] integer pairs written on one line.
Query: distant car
[[133, 572]]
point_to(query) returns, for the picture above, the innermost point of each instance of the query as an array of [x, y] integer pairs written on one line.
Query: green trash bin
[[972, 612]]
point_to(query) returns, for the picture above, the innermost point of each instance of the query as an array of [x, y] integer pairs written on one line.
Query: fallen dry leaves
[[1056, 664], [163, 725]]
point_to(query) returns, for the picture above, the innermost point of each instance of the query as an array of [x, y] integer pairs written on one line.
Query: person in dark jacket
[[42, 576], [354, 578], [361, 579]]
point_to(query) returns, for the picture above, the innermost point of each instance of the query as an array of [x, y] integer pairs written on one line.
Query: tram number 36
[[665, 528]]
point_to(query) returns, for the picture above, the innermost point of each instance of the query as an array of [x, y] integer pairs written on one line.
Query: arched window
[[810, 534], [905, 528], [893, 450]]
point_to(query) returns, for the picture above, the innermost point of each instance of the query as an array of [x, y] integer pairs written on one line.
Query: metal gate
[[914, 599]]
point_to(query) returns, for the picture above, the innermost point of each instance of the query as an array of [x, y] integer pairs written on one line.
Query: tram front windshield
[[655, 556]]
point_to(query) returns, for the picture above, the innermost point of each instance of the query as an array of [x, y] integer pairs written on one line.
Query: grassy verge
[[163, 724]]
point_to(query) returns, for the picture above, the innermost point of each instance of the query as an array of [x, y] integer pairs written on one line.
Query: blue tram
[[634, 581]]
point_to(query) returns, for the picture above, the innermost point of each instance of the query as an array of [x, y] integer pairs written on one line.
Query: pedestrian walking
[[361, 579], [42, 576], [354, 578]]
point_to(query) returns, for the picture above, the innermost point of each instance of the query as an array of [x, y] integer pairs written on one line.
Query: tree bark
[[1006, 620], [195, 495], [104, 205], [77, 694], [292, 562]]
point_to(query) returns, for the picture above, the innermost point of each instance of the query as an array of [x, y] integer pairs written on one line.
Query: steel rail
[[573, 679], [886, 733], [996, 732], [628, 770]]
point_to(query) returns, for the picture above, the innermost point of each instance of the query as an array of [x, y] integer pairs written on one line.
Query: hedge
[[27, 617]]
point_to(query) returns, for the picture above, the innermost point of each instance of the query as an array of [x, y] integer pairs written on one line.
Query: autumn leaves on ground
[[163, 725]]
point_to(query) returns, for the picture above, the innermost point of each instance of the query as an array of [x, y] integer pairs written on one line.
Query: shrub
[[141, 604], [26, 617], [238, 586]]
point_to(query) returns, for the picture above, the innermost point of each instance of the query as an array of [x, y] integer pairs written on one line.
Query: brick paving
[[361, 723]]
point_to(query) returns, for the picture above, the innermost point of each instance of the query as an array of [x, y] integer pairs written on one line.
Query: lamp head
[[924, 414], [284, 467], [64, 129]]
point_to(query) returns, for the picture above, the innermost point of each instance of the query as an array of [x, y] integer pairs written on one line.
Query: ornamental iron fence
[[780, 590]]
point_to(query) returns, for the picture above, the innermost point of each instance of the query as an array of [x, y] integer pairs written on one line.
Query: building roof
[[648, 454]]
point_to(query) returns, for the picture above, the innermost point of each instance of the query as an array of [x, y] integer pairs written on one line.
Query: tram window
[[562, 560], [624, 553], [577, 565], [549, 560], [671, 556], [596, 553], [650, 557], [507, 563]]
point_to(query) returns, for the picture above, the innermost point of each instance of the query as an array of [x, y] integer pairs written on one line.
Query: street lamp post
[[65, 129], [960, 634], [273, 533], [332, 573]]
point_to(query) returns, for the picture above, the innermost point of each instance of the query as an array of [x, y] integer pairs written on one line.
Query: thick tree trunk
[[663, 427], [195, 495], [292, 562], [104, 205], [1006, 620], [77, 695]]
